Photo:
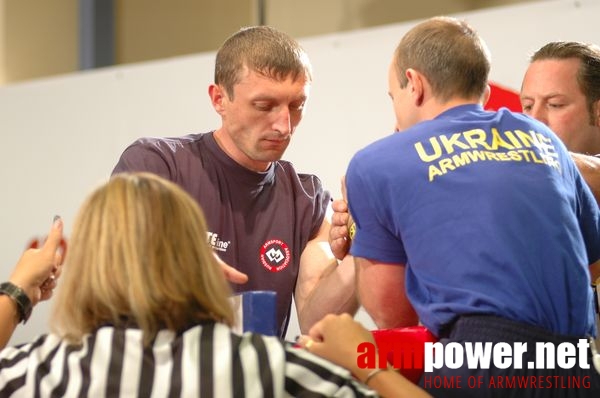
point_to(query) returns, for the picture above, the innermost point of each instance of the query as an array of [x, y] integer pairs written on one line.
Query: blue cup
[[255, 312]]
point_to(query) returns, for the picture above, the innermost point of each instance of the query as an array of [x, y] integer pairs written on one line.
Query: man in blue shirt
[[477, 224]]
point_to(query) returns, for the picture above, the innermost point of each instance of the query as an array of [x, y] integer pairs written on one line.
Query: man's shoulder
[[172, 144], [307, 179], [161, 155]]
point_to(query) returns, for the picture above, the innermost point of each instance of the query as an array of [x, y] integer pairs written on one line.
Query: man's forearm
[[381, 291], [335, 293], [589, 167]]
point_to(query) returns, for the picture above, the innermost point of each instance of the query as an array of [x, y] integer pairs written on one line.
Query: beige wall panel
[[2, 46], [315, 17], [40, 38], [151, 29]]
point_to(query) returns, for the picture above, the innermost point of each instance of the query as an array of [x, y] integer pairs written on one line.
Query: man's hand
[[231, 274], [342, 225], [336, 338], [339, 239]]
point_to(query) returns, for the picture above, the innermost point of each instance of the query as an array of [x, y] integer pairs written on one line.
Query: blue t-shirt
[[489, 214]]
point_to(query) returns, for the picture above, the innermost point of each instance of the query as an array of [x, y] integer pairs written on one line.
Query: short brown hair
[[588, 75], [262, 49], [449, 53]]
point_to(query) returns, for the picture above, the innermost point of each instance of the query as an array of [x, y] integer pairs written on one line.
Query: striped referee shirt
[[204, 361]]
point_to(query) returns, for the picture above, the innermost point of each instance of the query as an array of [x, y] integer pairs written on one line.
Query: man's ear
[[217, 96], [486, 95], [596, 113], [416, 85]]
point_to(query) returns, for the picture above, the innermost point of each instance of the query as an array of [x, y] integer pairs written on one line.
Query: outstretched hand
[[37, 270]]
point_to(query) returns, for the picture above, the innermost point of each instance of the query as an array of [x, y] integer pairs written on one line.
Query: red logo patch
[[275, 255]]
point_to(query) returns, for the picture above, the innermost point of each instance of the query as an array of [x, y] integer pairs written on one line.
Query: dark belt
[[496, 329]]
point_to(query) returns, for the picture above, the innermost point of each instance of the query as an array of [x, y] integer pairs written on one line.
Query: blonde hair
[[138, 254]]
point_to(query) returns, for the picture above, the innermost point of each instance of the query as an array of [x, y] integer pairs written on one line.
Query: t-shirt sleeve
[[588, 215], [371, 212], [145, 155], [321, 199]]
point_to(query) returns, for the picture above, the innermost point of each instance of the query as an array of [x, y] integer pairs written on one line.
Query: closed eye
[[263, 106], [298, 106]]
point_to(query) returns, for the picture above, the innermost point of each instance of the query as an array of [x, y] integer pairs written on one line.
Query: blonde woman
[[143, 310]]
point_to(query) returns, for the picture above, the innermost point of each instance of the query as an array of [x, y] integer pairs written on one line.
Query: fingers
[[230, 273], [58, 260], [336, 338], [55, 236], [233, 275], [314, 336], [340, 216], [49, 283], [338, 233], [47, 288], [37, 269], [316, 330], [340, 206], [308, 343], [53, 246], [339, 241]]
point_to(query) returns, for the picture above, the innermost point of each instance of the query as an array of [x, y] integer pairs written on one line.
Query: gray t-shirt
[[258, 223]]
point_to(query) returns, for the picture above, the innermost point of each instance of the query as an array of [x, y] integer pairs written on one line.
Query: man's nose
[[283, 121]]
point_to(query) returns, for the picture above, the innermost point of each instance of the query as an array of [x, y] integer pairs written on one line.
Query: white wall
[[62, 136]]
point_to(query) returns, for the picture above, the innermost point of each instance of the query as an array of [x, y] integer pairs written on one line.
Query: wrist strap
[[20, 298]]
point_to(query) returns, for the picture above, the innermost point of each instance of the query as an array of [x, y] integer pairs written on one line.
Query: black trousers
[[510, 381]]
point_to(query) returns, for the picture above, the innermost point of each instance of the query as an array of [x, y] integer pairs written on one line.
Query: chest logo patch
[[275, 255]]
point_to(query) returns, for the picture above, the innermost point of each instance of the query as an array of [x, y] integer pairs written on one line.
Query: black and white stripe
[[204, 361]]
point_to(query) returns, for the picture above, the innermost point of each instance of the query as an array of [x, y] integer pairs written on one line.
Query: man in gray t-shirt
[[265, 219]]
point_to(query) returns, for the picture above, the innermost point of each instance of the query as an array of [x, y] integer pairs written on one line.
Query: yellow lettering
[[498, 142], [435, 145], [476, 155], [535, 157], [434, 172], [502, 156], [449, 143], [475, 138], [525, 153], [462, 159], [513, 140], [491, 156], [525, 138], [446, 165], [514, 155]]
